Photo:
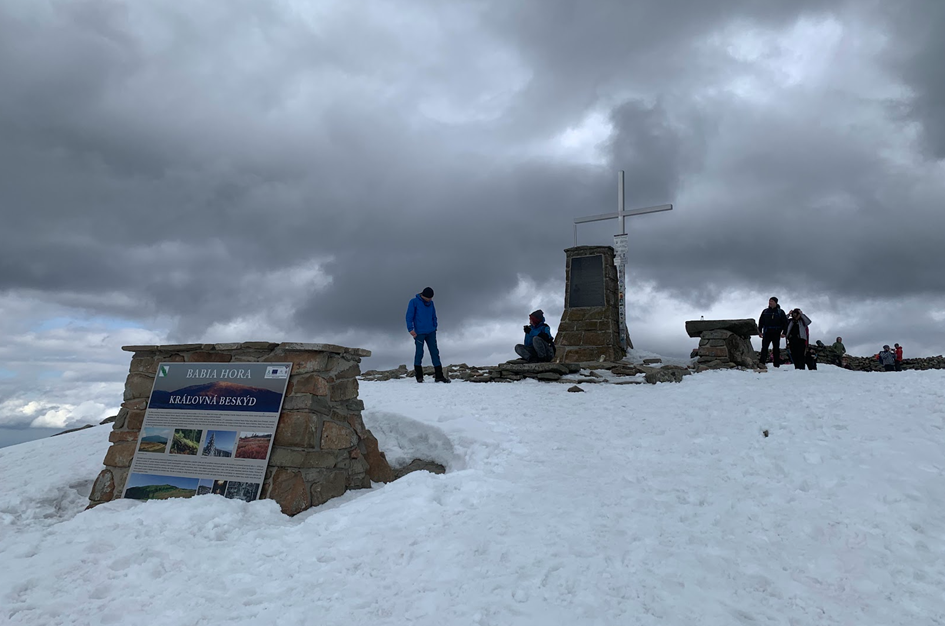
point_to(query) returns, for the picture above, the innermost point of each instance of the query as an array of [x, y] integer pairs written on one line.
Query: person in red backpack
[[898, 358]]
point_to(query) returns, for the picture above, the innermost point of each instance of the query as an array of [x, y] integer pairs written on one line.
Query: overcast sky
[[297, 171]]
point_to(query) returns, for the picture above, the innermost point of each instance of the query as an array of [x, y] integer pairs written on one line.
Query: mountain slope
[[647, 504]]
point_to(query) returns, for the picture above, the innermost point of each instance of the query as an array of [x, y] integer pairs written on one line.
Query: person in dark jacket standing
[[421, 324], [771, 326], [539, 345], [798, 336], [898, 358]]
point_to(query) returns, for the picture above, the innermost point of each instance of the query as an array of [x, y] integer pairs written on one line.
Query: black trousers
[[798, 348], [773, 339], [540, 351]]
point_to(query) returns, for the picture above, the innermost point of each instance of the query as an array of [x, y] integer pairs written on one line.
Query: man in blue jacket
[[539, 345], [421, 324]]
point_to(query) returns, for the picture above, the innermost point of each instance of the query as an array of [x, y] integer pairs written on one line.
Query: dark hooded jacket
[[772, 321]]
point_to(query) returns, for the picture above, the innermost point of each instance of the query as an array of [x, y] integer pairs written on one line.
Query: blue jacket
[[421, 316], [541, 329]]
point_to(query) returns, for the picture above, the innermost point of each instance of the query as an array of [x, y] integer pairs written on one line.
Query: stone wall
[[870, 364], [590, 333], [321, 447]]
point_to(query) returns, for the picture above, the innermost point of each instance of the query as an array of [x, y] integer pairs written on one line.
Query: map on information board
[[208, 429]]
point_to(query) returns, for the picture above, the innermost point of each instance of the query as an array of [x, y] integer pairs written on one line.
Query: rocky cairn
[[725, 344]]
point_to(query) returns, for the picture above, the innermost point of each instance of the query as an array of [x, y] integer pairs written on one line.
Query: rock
[[104, 487], [331, 486], [575, 389], [295, 430], [138, 386], [209, 357], [664, 376], [535, 368], [337, 436], [108, 420], [120, 454], [651, 361], [417, 465], [745, 328], [307, 383], [548, 376], [726, 346], [72, 430], [378, 468], [288, 489]]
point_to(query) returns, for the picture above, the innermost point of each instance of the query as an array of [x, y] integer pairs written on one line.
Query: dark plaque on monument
[[587, 281]]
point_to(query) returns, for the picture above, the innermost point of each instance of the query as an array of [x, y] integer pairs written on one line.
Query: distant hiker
[[838, 349], [539, 346], [421, 324], [771, 326], [811, 358], [898, 358], [887, 358], [798, 335]]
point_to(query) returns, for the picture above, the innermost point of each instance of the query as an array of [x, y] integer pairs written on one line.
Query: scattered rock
[[419, 464], [665, 376], [651, 361], [575, 389], [72, 430]]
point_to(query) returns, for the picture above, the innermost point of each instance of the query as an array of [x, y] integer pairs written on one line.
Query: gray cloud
[[266, 169]]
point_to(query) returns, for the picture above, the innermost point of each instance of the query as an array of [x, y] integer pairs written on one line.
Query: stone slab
[[743, 327], [324, 347], [535, 368]]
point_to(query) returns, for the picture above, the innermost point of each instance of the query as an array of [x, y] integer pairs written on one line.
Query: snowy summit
[[788, 497]]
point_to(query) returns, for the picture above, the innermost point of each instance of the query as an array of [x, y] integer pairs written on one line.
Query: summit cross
[[620, 245]]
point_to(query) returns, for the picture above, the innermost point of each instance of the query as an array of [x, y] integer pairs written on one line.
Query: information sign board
[[208, 429], [587, 281]]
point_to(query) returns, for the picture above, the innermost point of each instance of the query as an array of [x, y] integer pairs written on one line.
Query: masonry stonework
[[321, 447], [590, 333]]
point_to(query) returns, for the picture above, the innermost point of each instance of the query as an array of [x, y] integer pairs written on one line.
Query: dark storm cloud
[[917, 53], [186, 155]]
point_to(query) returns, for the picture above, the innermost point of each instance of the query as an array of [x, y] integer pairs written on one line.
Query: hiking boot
[[438, 375], [418, 372]]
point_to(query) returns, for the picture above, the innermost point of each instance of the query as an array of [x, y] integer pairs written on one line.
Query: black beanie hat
[[427, 292], [538, 315]]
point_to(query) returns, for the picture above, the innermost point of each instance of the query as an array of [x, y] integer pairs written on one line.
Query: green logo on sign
[[162, 372]]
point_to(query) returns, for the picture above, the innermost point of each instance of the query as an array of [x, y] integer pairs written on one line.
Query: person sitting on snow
[[539, 346]]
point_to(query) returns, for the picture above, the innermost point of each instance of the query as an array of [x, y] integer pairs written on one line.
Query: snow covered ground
[[632, 504]]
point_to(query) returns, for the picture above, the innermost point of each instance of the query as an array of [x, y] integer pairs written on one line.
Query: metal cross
[[620, 245]]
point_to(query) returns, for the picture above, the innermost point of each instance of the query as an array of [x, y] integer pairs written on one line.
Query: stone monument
[[590, 324], [320, 447], [725, 343]]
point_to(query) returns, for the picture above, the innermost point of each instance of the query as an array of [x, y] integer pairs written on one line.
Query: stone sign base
[[321, 447], [725, 343]]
